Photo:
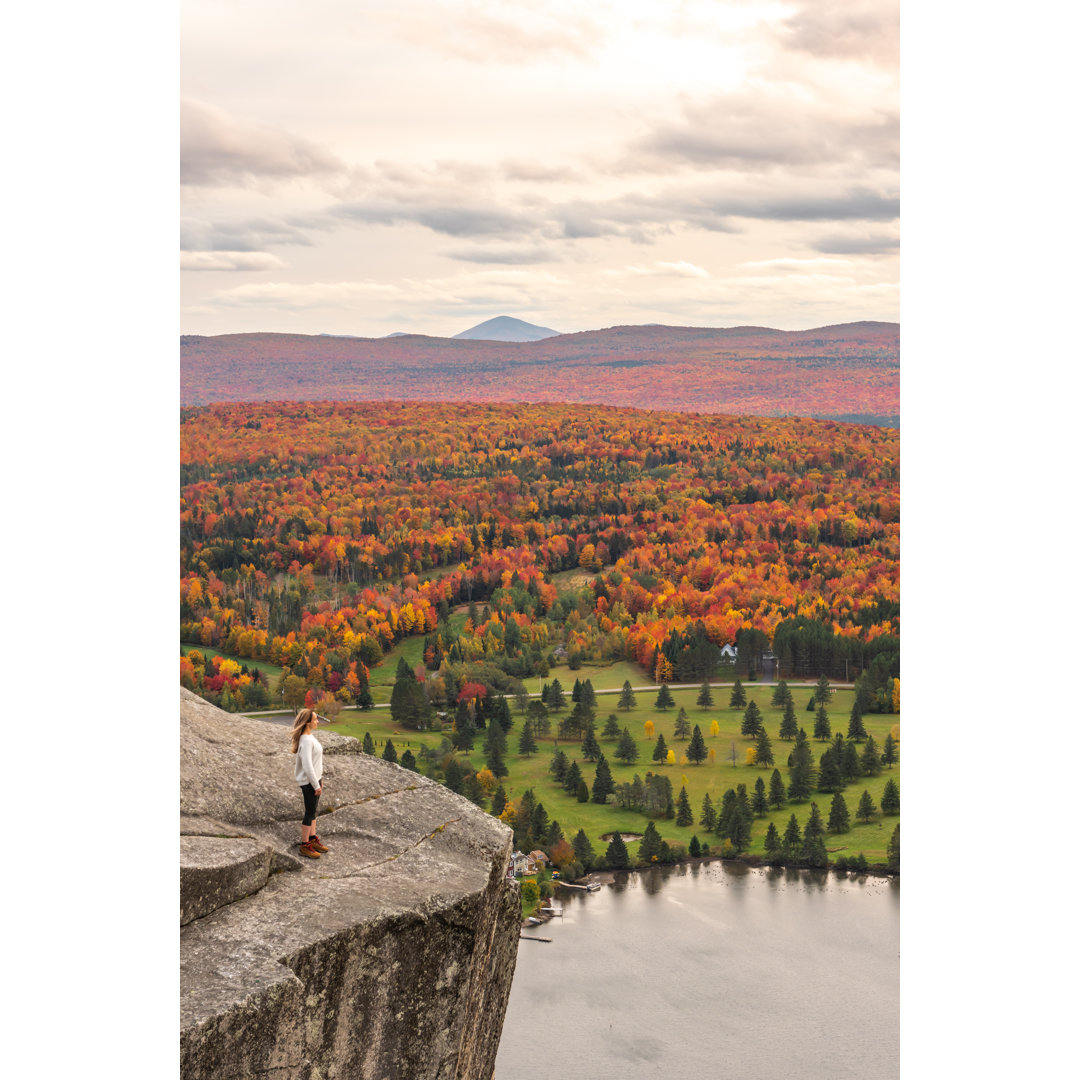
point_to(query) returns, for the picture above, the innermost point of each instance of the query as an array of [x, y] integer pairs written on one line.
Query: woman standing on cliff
[[308, 771]]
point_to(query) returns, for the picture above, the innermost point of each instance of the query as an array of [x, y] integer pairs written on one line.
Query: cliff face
[[390, 957]]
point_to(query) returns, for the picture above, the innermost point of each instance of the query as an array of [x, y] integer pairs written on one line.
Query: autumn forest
[[505, 538]]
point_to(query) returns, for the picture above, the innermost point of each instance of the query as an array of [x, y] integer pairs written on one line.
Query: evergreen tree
[[801, 779], [751, 723], [664, 700], [856, 730], [582, 791], [590, 748], [682, 725], [498, 801], [725, 813], [617, 857], [781, 695], [583, 850], [814, 853], [810, 705], [494, 757], [849, 761], [369, 743], [738, 696], [830, 774], [866, 808], [792, 839], [889, 755], [540, 823], [500, 711], [575, 694], [627, 700], [839, 817], [705, 698], [773, 843], [695, 847], [474, 790], [455, 776], [777, 794], [760, 803], [708, 814], [789, 726], [603, 784], [660, 749], [627, 750], [685, 815], [741, 826], [559, 764], [408, 761], [389, 753], [611, 727], [588, 696], [822, 727], [572, 778], [764, 748], [696, 751], [537, 713], [890, 797], [527, 741], [649, 848], [892, 852], [823, 691], [556, 699], [554, 834], [869, 760]]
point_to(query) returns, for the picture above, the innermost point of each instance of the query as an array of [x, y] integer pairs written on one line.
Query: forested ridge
[[315, 535]]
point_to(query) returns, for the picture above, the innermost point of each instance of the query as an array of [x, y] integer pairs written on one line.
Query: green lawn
[[712, 777]]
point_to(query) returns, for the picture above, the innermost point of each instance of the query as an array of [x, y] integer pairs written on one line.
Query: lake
[[711, 970]]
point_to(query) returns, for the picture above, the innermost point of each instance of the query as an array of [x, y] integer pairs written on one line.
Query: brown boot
[[317, 844], [308, 850]]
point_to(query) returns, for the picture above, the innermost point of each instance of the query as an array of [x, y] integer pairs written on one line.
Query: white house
[[729, 652]]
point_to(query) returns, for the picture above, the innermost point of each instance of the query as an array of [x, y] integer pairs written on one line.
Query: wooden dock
[[522, 937]]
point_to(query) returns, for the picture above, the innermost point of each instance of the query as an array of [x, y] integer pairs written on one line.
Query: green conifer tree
[[792, 845], [751, 722], [789, 726], [856, 730], [889, 755], [839, 816], [408, 761], [498, 801], [777, 793], [660, 749], [764, 748], [664, 700], [571, 778], [684, 815], [603, 784], [760, 802], [708, 814], [890, 797], [368, 743], [627, 700], [695, 847], [583, 850], [823, 691], [866, 808], [822, 727], [611, 727], [590, 748], [559, 764], [738, 695], [627, 750], [869, 759], [389, 753], [682, 724], [556, 699], [705, 698], [773, 843], [696, 752], [781, 695], [892, 852], [649, 847], [582, 791], [617, 857]]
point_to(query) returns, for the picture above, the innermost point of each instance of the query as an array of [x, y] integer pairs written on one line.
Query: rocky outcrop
[[390, 957]]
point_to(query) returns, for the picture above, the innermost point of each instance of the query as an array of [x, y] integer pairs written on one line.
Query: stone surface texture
[[389, 958]]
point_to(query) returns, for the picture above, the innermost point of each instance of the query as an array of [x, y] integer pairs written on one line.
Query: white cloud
[[229, 260]]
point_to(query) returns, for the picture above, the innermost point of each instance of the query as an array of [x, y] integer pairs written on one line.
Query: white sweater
[[309, 760]]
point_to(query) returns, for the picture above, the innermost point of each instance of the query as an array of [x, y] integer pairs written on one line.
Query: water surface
[[712, 970]]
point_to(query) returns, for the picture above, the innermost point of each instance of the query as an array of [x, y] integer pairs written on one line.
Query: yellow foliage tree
[[895, 696], [894, 731], [650, 727], [671, 757], [712, 755], [751, 755], [487, 780], [714, 729]]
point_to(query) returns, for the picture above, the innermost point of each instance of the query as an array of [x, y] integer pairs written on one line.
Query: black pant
[[311, 802]]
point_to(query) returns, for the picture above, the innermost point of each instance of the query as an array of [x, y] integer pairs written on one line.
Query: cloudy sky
[[363, 167]]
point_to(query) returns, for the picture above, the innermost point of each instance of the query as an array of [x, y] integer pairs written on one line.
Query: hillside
[[842, 372]]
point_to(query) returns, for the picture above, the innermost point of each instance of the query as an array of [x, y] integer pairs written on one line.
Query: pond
[[709, 970]]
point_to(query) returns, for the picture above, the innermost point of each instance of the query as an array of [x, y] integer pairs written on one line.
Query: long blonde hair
[[300, 725]]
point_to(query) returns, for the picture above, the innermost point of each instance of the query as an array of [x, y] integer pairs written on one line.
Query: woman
[[308, 771]]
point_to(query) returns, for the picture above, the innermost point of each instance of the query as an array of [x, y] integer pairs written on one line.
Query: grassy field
[[269, 670], [712, 777]]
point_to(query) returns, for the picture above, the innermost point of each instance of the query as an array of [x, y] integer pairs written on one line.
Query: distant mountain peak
[[506, 328]]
